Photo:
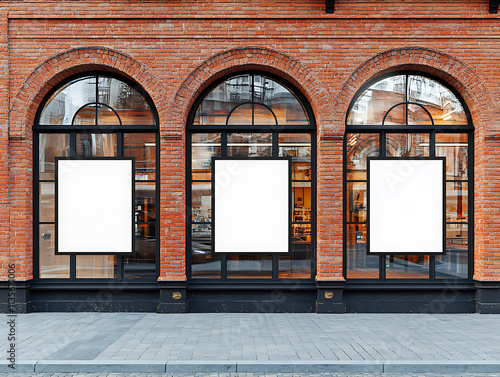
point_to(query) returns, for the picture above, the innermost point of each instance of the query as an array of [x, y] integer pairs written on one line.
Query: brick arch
[[249, 58], [441, 65], [66, 64]]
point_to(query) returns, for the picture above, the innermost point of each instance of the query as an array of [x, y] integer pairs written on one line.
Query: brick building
[[327, 86]]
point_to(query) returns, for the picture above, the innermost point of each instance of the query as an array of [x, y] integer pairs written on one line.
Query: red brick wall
[[175, 49]]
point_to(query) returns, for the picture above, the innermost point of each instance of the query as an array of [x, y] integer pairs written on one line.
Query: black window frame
[[274, 130], [382, 131], [73, 130]]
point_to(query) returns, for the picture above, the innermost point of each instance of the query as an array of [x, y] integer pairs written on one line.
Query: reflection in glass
[[142, 264], [106, 116], [407, 145], [301, 232], [296, 264], [201, 201], [443, 105], [359, 147], [249, 266], [356, 202], [204, 146], [454, 148], [204, 263], [371, 106], [130, 105], [396, 116], [241, 115], [279, 102], [86, 116], [249, 144], [50, 147], [141, 146], [95, 145], [457, 201], [417, 115], [51, 266], [95, 266], [301, 198], [63, 104], [454, 264], [145, 202], [407, 267], [359, 264], [47, 202]]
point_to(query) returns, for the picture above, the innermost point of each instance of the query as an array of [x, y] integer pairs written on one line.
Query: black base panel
[[488, 297], [414, 301], [94, 301], [273, 301]]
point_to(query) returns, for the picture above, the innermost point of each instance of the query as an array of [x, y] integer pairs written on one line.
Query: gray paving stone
[[83, 366]]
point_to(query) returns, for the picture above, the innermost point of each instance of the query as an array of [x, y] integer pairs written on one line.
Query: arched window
[[409, 115], [250, 115], [96, 115]]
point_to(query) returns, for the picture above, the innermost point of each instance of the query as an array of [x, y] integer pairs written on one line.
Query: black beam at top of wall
[[330, 6], [494, 4]]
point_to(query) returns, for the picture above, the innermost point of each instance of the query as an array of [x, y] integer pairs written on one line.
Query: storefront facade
[[175, 90]]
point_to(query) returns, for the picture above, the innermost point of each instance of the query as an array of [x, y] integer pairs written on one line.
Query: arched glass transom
[[407, 100], [251, 100], [97, 100]]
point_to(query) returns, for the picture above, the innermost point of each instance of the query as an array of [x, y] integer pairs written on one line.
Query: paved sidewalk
[[254, 343]]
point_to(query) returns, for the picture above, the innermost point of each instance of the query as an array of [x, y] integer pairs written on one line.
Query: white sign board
[[94, 206], [406, 206], [251, 205]]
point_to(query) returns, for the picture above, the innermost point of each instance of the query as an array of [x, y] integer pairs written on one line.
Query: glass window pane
[[51, 266], [63, 104], [454, 264], [301, 197], [397, 116], [95, 145], [217, 105], [85, 116], [457, 201], [407, 267], [296, 264], [143, 147], [356, 202], [130, 105], [106, 117], [359, 264], [142, 264], [263, 116], [201, 201], [407, 145], [417, 115], [95, 266], [371, 106], [249, 266], [50, 147], [47, 202], [282, 101], [204, 263], [455, 148], [297, 146], [359, 147], [242, 115], [145, 202], [249, 144], [443, 105], [203, 148]]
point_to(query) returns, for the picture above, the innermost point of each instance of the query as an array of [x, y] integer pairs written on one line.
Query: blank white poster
[[406, 206], [251, 206], [94, 206]]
